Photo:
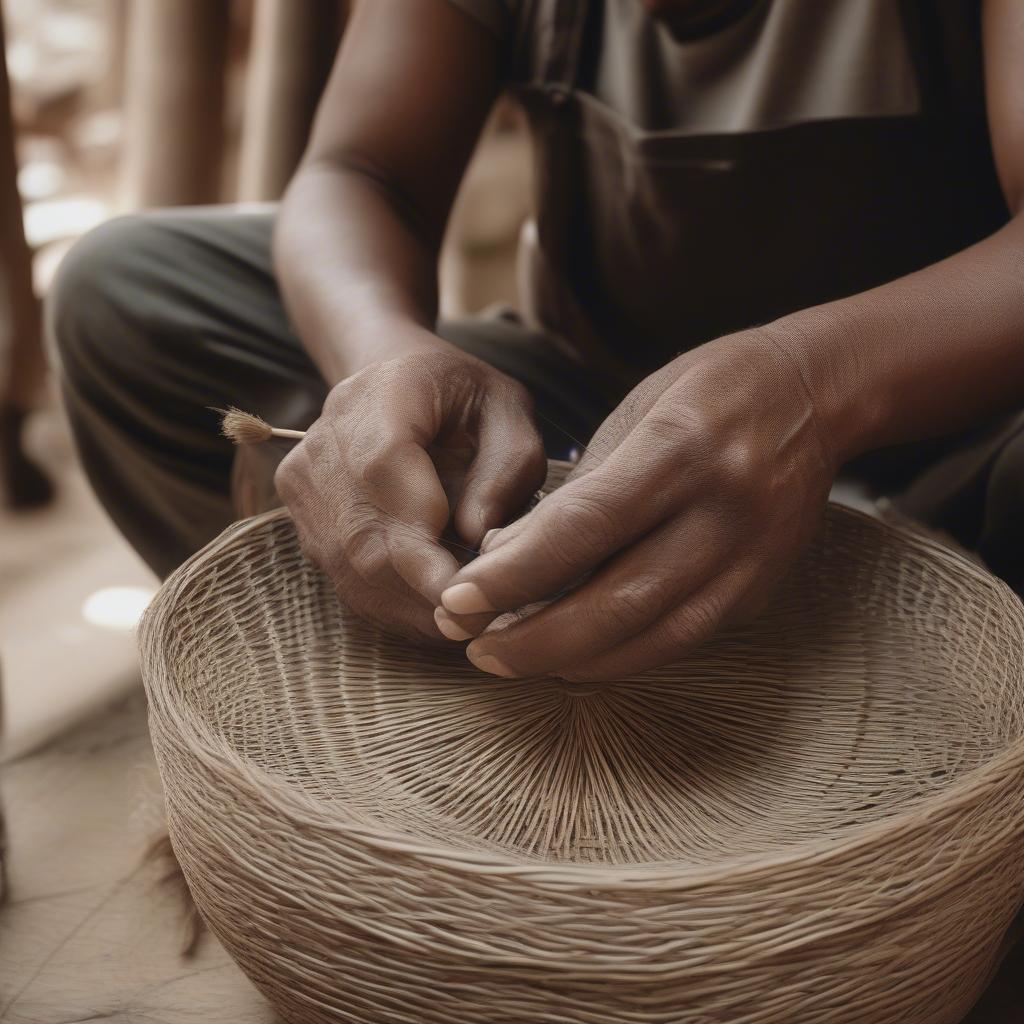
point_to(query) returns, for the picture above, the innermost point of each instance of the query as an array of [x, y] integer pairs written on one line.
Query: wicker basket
[[817, 819]]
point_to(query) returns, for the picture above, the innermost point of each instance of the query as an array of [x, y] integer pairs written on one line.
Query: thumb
[[508, 467]]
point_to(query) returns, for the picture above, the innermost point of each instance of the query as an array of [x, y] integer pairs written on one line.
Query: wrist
[[375, 340], [847, 407]]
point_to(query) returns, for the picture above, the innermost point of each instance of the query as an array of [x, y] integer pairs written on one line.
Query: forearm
[[357, 274], [928, 354]]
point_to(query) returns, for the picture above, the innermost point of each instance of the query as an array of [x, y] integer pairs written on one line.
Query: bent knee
[[98, 294]]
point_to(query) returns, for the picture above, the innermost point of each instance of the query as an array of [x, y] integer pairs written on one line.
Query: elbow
[[347, 172], [311, 199], [289, 225]]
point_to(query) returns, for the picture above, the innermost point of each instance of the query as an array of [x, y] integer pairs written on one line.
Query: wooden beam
[[25, 364], [22, 483], [293, 47], [108, 90], [174, 101]]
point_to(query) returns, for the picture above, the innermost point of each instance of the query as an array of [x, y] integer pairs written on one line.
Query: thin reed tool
[[245, 428]]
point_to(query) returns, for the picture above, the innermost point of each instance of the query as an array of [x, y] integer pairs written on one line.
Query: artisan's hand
[[399, 445], [693, 499]]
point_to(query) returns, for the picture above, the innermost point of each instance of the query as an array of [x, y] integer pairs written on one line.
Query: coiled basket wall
[[818, 819]]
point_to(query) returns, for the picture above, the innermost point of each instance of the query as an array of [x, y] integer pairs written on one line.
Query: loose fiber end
[[172, 878], [243, 427]]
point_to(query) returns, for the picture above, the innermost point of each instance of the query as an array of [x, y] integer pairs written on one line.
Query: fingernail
[[466, 599], [448, 626], [491, 665], [488, 538]]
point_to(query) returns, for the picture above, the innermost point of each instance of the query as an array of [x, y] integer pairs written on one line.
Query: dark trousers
[[158, 318]]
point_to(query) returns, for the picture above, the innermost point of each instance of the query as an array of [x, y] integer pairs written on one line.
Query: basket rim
[[299, 807]]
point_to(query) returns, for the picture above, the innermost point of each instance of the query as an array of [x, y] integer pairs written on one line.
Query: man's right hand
[[402, 449]]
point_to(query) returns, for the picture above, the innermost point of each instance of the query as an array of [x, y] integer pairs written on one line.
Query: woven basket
[[819, 818]]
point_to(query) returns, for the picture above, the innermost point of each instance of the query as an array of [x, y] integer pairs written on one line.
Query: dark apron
[[649, 243], [652, 242]]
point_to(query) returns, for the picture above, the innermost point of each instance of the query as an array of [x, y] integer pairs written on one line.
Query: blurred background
[[117, 105]]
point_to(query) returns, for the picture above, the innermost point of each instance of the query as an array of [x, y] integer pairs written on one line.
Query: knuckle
[[366, 553], [373, 567], [692, 420], [518, 395], [369, 461], [523, 467], [338, 399], [525, 459], [588, 523], [740, 461], [629, 602], [693, 625], [667, 427], [528, 444]]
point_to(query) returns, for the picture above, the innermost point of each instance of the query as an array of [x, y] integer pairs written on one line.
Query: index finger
[[405, 488], [569, 533], [390, 508]]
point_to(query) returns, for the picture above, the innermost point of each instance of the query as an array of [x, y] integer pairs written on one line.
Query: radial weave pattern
[[819, 818]]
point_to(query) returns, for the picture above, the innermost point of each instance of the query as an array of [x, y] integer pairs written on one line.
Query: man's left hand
[[691, 502]]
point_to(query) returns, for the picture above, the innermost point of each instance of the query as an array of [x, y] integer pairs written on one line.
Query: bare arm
[[942, 348], [359, 230], [415, 435]]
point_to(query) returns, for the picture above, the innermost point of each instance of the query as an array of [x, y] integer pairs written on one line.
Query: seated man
[[774, 238]]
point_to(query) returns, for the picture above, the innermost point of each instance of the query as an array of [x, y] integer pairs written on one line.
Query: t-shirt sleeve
[[494, 15]]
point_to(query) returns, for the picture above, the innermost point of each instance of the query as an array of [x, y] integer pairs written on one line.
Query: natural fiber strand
[[172, 880], [819, 817], [245, 428]]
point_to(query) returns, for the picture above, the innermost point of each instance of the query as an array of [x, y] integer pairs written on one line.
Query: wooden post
[[174, 101], [22, 484], [293, 47], [108, 91]]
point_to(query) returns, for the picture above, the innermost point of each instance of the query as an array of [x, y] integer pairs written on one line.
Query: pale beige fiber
[[818, 819]]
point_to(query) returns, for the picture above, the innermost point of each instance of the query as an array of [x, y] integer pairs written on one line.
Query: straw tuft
[[244, 427], [817, 818]]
